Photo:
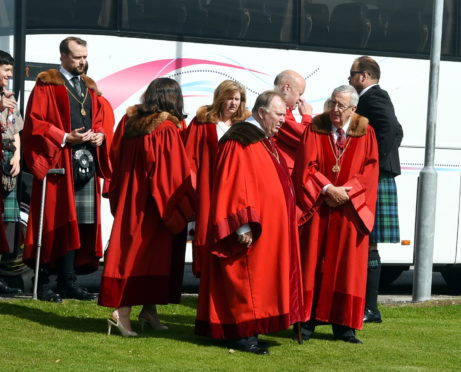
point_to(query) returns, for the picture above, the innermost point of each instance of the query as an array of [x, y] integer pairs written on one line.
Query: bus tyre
[[452, 276], [389, 274]]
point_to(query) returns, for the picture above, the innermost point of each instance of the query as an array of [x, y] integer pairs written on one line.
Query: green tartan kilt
[[11, 211], [386, 228], [85, 202]]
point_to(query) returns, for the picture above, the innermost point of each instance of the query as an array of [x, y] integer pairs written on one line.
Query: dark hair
[[5, 58], [163, 94], [64, 46], [366, 63]]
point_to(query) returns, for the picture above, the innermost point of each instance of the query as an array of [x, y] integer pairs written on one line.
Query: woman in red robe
[[202, 136], [150, 197]]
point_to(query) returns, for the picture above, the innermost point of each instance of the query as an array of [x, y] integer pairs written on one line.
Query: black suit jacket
[[376, 105]]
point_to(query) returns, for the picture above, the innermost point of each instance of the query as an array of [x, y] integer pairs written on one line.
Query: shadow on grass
[[181, 327]]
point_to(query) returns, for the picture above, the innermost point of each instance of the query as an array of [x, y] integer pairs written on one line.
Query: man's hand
[[246, 238], [337, 195], [76, 137], [7, 100], [15, 166], [304, 107], [97, 139]]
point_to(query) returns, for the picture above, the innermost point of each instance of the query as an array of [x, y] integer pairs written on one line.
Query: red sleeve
[[291, 131], [234, 199], [42, 135], [170, 179], [111, 187], [307, 179], [192, 143], [365, 183]]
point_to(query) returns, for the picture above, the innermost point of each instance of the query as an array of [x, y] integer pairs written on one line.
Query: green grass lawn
[[72, 336]]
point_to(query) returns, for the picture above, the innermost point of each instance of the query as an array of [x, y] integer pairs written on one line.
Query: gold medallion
[[336, 168], [83, 112]]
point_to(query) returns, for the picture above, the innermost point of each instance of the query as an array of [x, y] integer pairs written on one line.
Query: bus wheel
[[389, 274], [452, 276]]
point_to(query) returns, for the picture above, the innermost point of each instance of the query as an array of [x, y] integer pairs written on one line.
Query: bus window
[[81, 14], [6, 18], [161, 17]]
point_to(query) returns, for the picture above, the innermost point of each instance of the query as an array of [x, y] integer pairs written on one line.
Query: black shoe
[[371, 316], [351, 339], [254, 349], [76, 292], [6, 290], [46, 294]]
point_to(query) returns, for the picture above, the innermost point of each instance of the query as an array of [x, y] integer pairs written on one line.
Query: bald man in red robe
[[335, 178], [292, 86], [251, 281]]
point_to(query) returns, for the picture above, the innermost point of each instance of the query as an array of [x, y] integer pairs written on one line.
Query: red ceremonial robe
[[47, 120], [201, 148], [289, 137], [150, 197], [255, 290], [334, 241]]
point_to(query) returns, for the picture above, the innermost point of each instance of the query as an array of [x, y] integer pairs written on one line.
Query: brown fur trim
[[245, 133], [140, 125], [90, 84], [357, 127], [54, 77], [203, 114]]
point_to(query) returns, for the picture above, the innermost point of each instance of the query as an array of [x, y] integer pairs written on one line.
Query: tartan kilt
[[85, 202], [10, 201], [386, 228]]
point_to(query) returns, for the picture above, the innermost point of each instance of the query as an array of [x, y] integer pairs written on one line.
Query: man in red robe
[[250, 282], [291, 86], [65, 119], [335, 178]]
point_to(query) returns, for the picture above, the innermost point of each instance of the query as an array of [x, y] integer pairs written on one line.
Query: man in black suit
[[375, 104]]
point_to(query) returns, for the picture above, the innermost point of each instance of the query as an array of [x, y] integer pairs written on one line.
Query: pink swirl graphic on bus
[[121, 85]]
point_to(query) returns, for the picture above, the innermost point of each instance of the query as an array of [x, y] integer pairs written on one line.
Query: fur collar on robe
[[203, 115], [357, 127], [54, 77], [139, 125], [245, 133]]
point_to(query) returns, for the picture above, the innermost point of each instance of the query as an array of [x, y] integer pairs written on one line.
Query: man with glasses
[[335, 179], [375, 104]]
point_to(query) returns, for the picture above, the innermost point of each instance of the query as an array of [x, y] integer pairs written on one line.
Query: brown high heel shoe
[[118, 324], [147, 318]]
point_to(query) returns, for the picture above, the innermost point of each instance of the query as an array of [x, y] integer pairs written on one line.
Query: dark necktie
[[76, 84], [340, 140]]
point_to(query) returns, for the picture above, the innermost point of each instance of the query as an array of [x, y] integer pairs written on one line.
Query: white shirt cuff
[[325, 188], [64, 140], [243, 229]]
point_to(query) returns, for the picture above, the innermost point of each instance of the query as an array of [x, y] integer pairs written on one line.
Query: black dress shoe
[[48, 295], [351, 339], [371, 316], [254, 349], [76, 292], [6, 290]]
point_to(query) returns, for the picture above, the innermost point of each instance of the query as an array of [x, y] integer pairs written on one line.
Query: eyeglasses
[[341, 107], [353, 72]]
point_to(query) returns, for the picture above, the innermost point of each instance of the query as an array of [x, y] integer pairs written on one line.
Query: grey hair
[[264, 100], [347, 89]]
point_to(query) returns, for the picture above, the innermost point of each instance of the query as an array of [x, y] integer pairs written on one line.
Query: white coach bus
[[202, 42]]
